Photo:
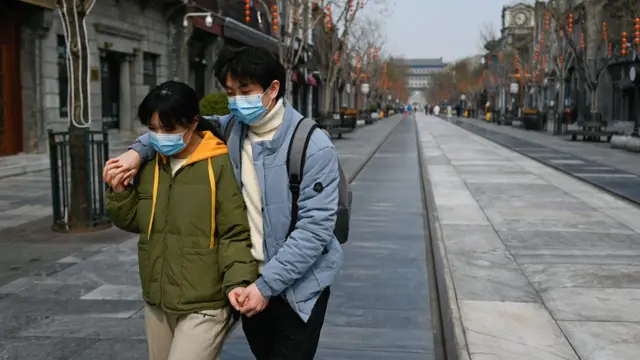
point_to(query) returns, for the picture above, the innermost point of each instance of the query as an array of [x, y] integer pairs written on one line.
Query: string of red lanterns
[[274, 16], [247, 11], [570, 24], [637, 33], [624, 45], [329, 21]]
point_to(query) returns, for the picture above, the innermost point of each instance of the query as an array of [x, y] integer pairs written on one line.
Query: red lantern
[[604, 31], [582, 40], [637, 29], [329, 21], [624, 45]]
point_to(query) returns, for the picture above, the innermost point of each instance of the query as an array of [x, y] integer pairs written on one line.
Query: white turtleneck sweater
[[262, 130]]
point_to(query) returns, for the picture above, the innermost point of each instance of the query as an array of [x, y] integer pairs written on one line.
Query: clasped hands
[[248, 301]]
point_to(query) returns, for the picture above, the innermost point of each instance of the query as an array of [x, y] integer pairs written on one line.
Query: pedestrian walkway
[[89, 307], [544, 266]]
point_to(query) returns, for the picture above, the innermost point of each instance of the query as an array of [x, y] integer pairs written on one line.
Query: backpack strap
[[296, 156], [227, 130]]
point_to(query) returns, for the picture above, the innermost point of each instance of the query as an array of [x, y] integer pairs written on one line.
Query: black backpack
[[296, 155]]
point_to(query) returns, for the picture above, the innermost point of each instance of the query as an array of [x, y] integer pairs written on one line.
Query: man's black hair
[[175, 102], [250, 64]]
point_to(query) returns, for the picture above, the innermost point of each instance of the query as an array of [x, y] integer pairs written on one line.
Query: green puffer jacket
[[194, 242]]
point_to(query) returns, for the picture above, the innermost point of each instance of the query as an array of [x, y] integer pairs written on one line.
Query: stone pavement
[[86, 305], [544, 266]]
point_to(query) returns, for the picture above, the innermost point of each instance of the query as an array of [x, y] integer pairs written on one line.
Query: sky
[[439, 28]]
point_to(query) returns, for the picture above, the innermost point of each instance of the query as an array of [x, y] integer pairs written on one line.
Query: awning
[[311, 80], [239, 32], [200, 23]]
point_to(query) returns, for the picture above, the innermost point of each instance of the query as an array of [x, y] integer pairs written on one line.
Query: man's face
[[237, 87]]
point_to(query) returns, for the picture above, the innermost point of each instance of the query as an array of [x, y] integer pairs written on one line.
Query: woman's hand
[[124, 167], [117, 184]]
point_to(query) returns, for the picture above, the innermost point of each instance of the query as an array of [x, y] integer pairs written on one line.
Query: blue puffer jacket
[[302, 264]]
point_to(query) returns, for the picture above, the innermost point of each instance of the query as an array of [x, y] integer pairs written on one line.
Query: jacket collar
[[283, 133]]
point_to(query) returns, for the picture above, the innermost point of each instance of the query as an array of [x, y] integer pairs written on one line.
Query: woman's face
[[156, 126]]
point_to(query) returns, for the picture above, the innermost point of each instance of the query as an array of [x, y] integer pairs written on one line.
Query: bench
[[339, 123], [592, 130]]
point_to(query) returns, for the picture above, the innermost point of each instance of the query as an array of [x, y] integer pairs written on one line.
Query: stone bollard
[[619, 141], [633, 144]]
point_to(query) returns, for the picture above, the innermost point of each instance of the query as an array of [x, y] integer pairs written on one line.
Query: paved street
[[544, 266], [86, 304], [599, 152]]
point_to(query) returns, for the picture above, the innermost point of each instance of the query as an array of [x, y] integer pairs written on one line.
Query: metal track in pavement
[[444, 334]]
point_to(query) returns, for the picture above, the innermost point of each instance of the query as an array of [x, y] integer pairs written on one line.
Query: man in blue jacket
[[285, 308]]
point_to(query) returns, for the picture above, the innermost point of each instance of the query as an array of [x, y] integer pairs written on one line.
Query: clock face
[[520, 18]]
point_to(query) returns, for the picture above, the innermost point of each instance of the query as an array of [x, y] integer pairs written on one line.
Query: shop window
[[63, 77], [149, 70]]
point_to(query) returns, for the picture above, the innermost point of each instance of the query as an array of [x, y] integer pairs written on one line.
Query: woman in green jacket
[[194, 247]]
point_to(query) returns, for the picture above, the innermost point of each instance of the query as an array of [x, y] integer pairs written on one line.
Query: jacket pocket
[[144, 269], [200, 280]]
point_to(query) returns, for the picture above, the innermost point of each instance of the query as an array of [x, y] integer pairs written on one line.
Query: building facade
[[419, 73], [134, 45]]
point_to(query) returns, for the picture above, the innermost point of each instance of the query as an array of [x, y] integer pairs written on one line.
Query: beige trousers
[[197, 336]]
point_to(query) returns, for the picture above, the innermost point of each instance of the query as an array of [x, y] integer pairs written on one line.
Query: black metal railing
[[76, 183]]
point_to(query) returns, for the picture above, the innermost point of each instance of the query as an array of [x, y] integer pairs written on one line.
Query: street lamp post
[[364, 89]]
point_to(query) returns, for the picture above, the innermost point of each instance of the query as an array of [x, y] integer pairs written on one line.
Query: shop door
[[10, 91], [110, 79]]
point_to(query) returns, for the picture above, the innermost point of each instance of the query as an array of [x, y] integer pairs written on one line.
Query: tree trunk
[[593, 48], [74, 26], [328, 97]]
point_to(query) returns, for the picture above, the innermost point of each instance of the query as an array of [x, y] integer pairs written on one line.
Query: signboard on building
[[48, 4]]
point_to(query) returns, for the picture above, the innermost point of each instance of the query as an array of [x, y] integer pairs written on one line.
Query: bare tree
[[73, 14], [331, 43]]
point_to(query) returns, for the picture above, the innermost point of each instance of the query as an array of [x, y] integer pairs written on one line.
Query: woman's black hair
[[175, 102]]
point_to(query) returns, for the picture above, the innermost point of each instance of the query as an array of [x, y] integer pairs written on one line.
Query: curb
[[23, 169], [453, 336]]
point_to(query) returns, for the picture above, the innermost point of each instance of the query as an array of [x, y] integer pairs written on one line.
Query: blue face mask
[[248, 109], [167, 144]]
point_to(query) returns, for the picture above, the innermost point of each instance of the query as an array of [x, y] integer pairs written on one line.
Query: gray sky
[[439, 28]]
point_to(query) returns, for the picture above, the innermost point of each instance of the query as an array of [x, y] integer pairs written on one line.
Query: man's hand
[[233, 297], [126, 165], [252, 300]]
